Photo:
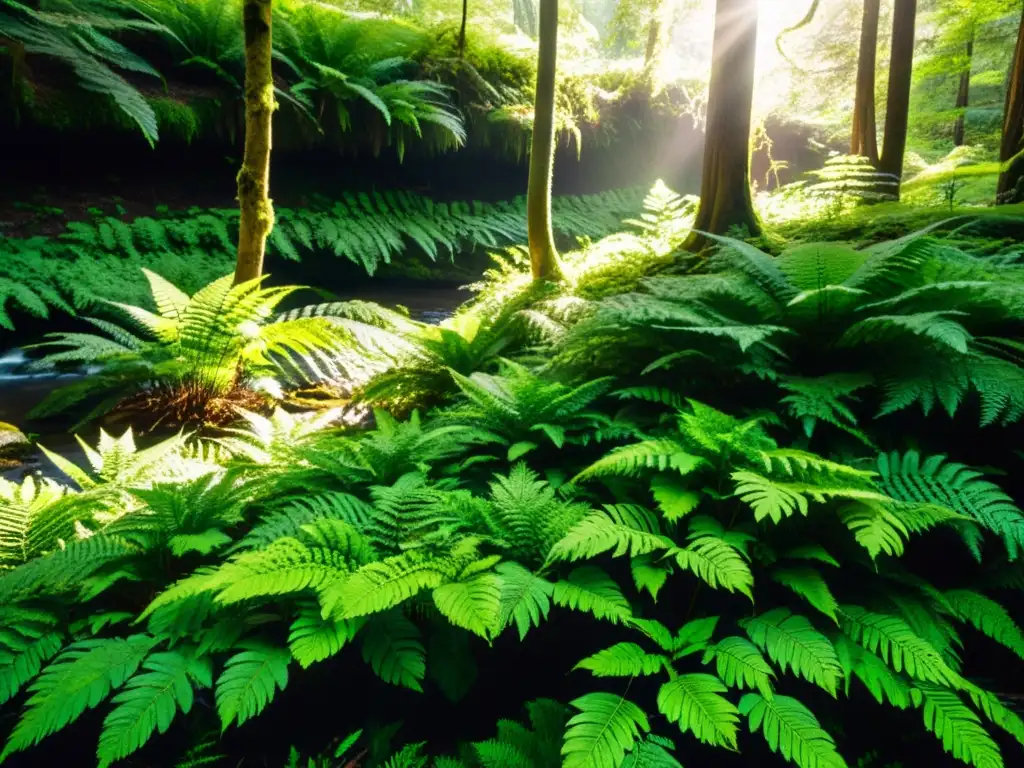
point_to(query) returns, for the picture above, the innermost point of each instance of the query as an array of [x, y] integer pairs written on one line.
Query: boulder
[[13, 443]]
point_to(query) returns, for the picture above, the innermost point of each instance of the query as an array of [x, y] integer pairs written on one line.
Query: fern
[[249, 682], [893, 639], [79, 679], [954, 486], [957, 727], [622, 528], [791, 641], [149, 703], [809, 584], [604, 729], [525, 599], [790, 728], [693, 701], [473, 603], [589, 589], [740, 665], [313, 638], [716, 562], [28, 639], [623, 660], [392, 648], [988, 617]]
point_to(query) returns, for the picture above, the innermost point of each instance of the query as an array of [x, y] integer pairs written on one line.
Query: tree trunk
[[543, 256], [897, 109], [725, 200], [865, 141], [257, 212], [963, 97], [462, 28], [1011, 180]]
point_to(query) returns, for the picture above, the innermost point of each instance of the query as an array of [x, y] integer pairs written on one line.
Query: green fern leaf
[[649, 574], [313, 638], [809, 584], [988, 617], [392, 648], [790, 728], [740, 665], [631, 460], [674, 499], [694, 702], [957, 727], [791, 641], [621, 528], [381, 585], [80, 679], [717, 563], [605, 729], [525, 598], [623, 660], [28, 639], [998, 713], [875, 527], [590, 590], [894, 640], [149, 703], [473, 604], [249, 682]]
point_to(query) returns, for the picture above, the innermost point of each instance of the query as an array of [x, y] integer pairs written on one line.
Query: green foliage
[[604, 729], [790, 728], [249, 682]]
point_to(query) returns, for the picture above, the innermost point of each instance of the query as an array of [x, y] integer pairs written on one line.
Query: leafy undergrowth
[[736, 510]]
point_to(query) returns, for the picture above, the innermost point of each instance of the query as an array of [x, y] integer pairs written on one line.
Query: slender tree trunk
[[897, 109], [963, 97], [653, 39], [1011, 180], [865, 141], [257, 212], [543, 256], [462, 28], [725, 200]]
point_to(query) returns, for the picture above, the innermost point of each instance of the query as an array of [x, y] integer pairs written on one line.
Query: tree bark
[[897, 109], [257, 212], [963, 97], [462, 28], [725, 200], [1011, 180], [864, 141], [543, 256]]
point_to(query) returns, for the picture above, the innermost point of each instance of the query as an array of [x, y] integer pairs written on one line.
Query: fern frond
[[312, 638], [809, 584], [740, 665], [392, 648], [792, 729], [623, 660], [631, 460], [80, 679], [249, 682], [791, 641], [894, 640], [590, 590], [622, 528], [957, 727], [525, 598], [694, 702], [988, 617], [716, 562], [604, 730]]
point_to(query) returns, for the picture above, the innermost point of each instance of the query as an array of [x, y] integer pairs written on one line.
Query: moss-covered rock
[[13, 443]]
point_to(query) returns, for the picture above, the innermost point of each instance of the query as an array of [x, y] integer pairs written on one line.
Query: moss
[[176, 118], [13, 443]]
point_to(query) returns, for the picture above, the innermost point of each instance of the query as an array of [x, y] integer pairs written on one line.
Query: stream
[[21, 388]]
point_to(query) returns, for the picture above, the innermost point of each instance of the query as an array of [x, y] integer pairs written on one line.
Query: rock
[[13, 443]]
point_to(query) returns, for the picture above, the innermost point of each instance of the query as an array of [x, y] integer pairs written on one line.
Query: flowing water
[[21, 388]]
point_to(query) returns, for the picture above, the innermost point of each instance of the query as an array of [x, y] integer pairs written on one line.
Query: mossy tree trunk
[[543, 256], [1011, 180], [963, 96], [897, 108], [257, 212], [864, 140], [725, 200]]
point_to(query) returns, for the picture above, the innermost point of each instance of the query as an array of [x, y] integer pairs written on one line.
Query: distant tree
[[462, 28], [543, 256], [864, 139], [1011, 180], [257, 212], [897, 111], [725, 200], [963, 95]]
